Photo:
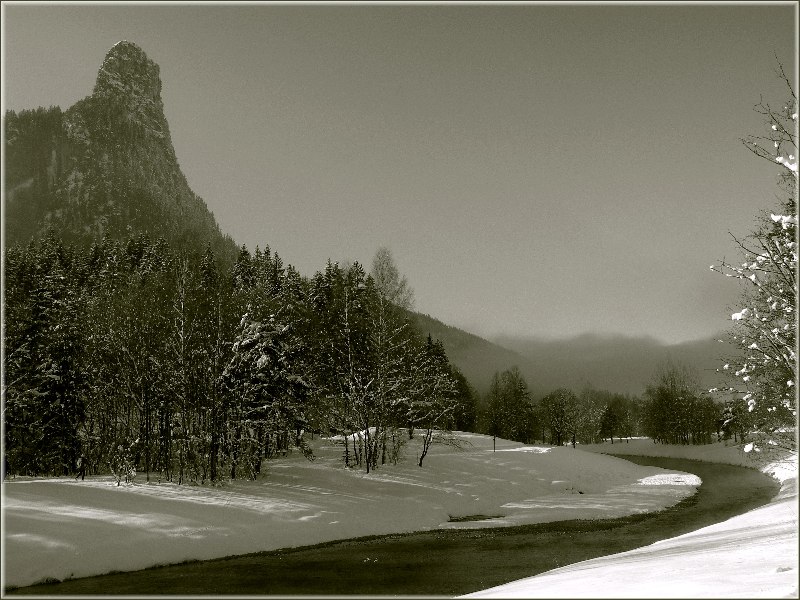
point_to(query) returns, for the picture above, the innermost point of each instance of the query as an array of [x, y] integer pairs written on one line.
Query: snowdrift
[[753, 555]]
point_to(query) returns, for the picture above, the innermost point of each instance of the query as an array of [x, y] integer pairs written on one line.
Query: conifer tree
[[764, 371]]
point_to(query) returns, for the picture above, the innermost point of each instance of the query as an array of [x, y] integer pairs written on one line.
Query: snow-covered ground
[[61, 528], [753, 555]]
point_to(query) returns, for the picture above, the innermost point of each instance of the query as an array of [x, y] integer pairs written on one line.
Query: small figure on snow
[[81, 468]]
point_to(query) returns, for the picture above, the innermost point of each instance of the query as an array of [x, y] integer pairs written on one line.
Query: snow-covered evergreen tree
[[432, 406], [765, 322], [44, 379], [269, 384]]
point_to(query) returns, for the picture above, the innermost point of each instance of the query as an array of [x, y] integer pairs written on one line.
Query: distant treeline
[[672, 411]]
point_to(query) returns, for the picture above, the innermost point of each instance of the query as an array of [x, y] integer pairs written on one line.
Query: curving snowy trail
[[754, 555]]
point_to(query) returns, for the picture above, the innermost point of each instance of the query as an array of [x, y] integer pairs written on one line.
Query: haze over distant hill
[[477, 358], [614, 363]]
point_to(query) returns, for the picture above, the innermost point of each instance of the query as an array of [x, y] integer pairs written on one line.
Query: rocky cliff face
[[127, 74], [128, 94], [106, 166]]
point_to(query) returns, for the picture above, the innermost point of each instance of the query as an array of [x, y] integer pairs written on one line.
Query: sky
[[536, 170]]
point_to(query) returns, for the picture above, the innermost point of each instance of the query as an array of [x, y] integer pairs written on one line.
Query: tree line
[[672, 410], [136, 356]]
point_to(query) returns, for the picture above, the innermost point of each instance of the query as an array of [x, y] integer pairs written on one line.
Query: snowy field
[[753, 555], [61, 528]]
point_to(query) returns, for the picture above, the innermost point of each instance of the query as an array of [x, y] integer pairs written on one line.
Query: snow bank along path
[[753, 555], [61, 528]]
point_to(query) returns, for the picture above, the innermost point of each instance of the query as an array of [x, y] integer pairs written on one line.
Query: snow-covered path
[[753, 555], [59, 528]]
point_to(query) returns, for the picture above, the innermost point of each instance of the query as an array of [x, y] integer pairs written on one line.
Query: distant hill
[[105, 166], [477, 358], [616, 363]]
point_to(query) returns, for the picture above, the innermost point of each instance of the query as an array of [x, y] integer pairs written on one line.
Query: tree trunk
[[213, 456], [426, 443], [235, 451], [146, 438]]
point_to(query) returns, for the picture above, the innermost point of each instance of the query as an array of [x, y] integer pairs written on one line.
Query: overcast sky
[[536, 170]]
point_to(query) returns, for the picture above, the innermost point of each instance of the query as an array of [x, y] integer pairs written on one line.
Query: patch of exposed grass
[[466, 518]]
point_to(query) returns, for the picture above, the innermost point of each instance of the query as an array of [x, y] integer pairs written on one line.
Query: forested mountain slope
[[105, 166], [616, 363], [477, 358]]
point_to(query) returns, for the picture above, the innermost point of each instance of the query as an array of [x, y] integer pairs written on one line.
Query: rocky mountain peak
[[106, 165], [126, 70], [126, 100]]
